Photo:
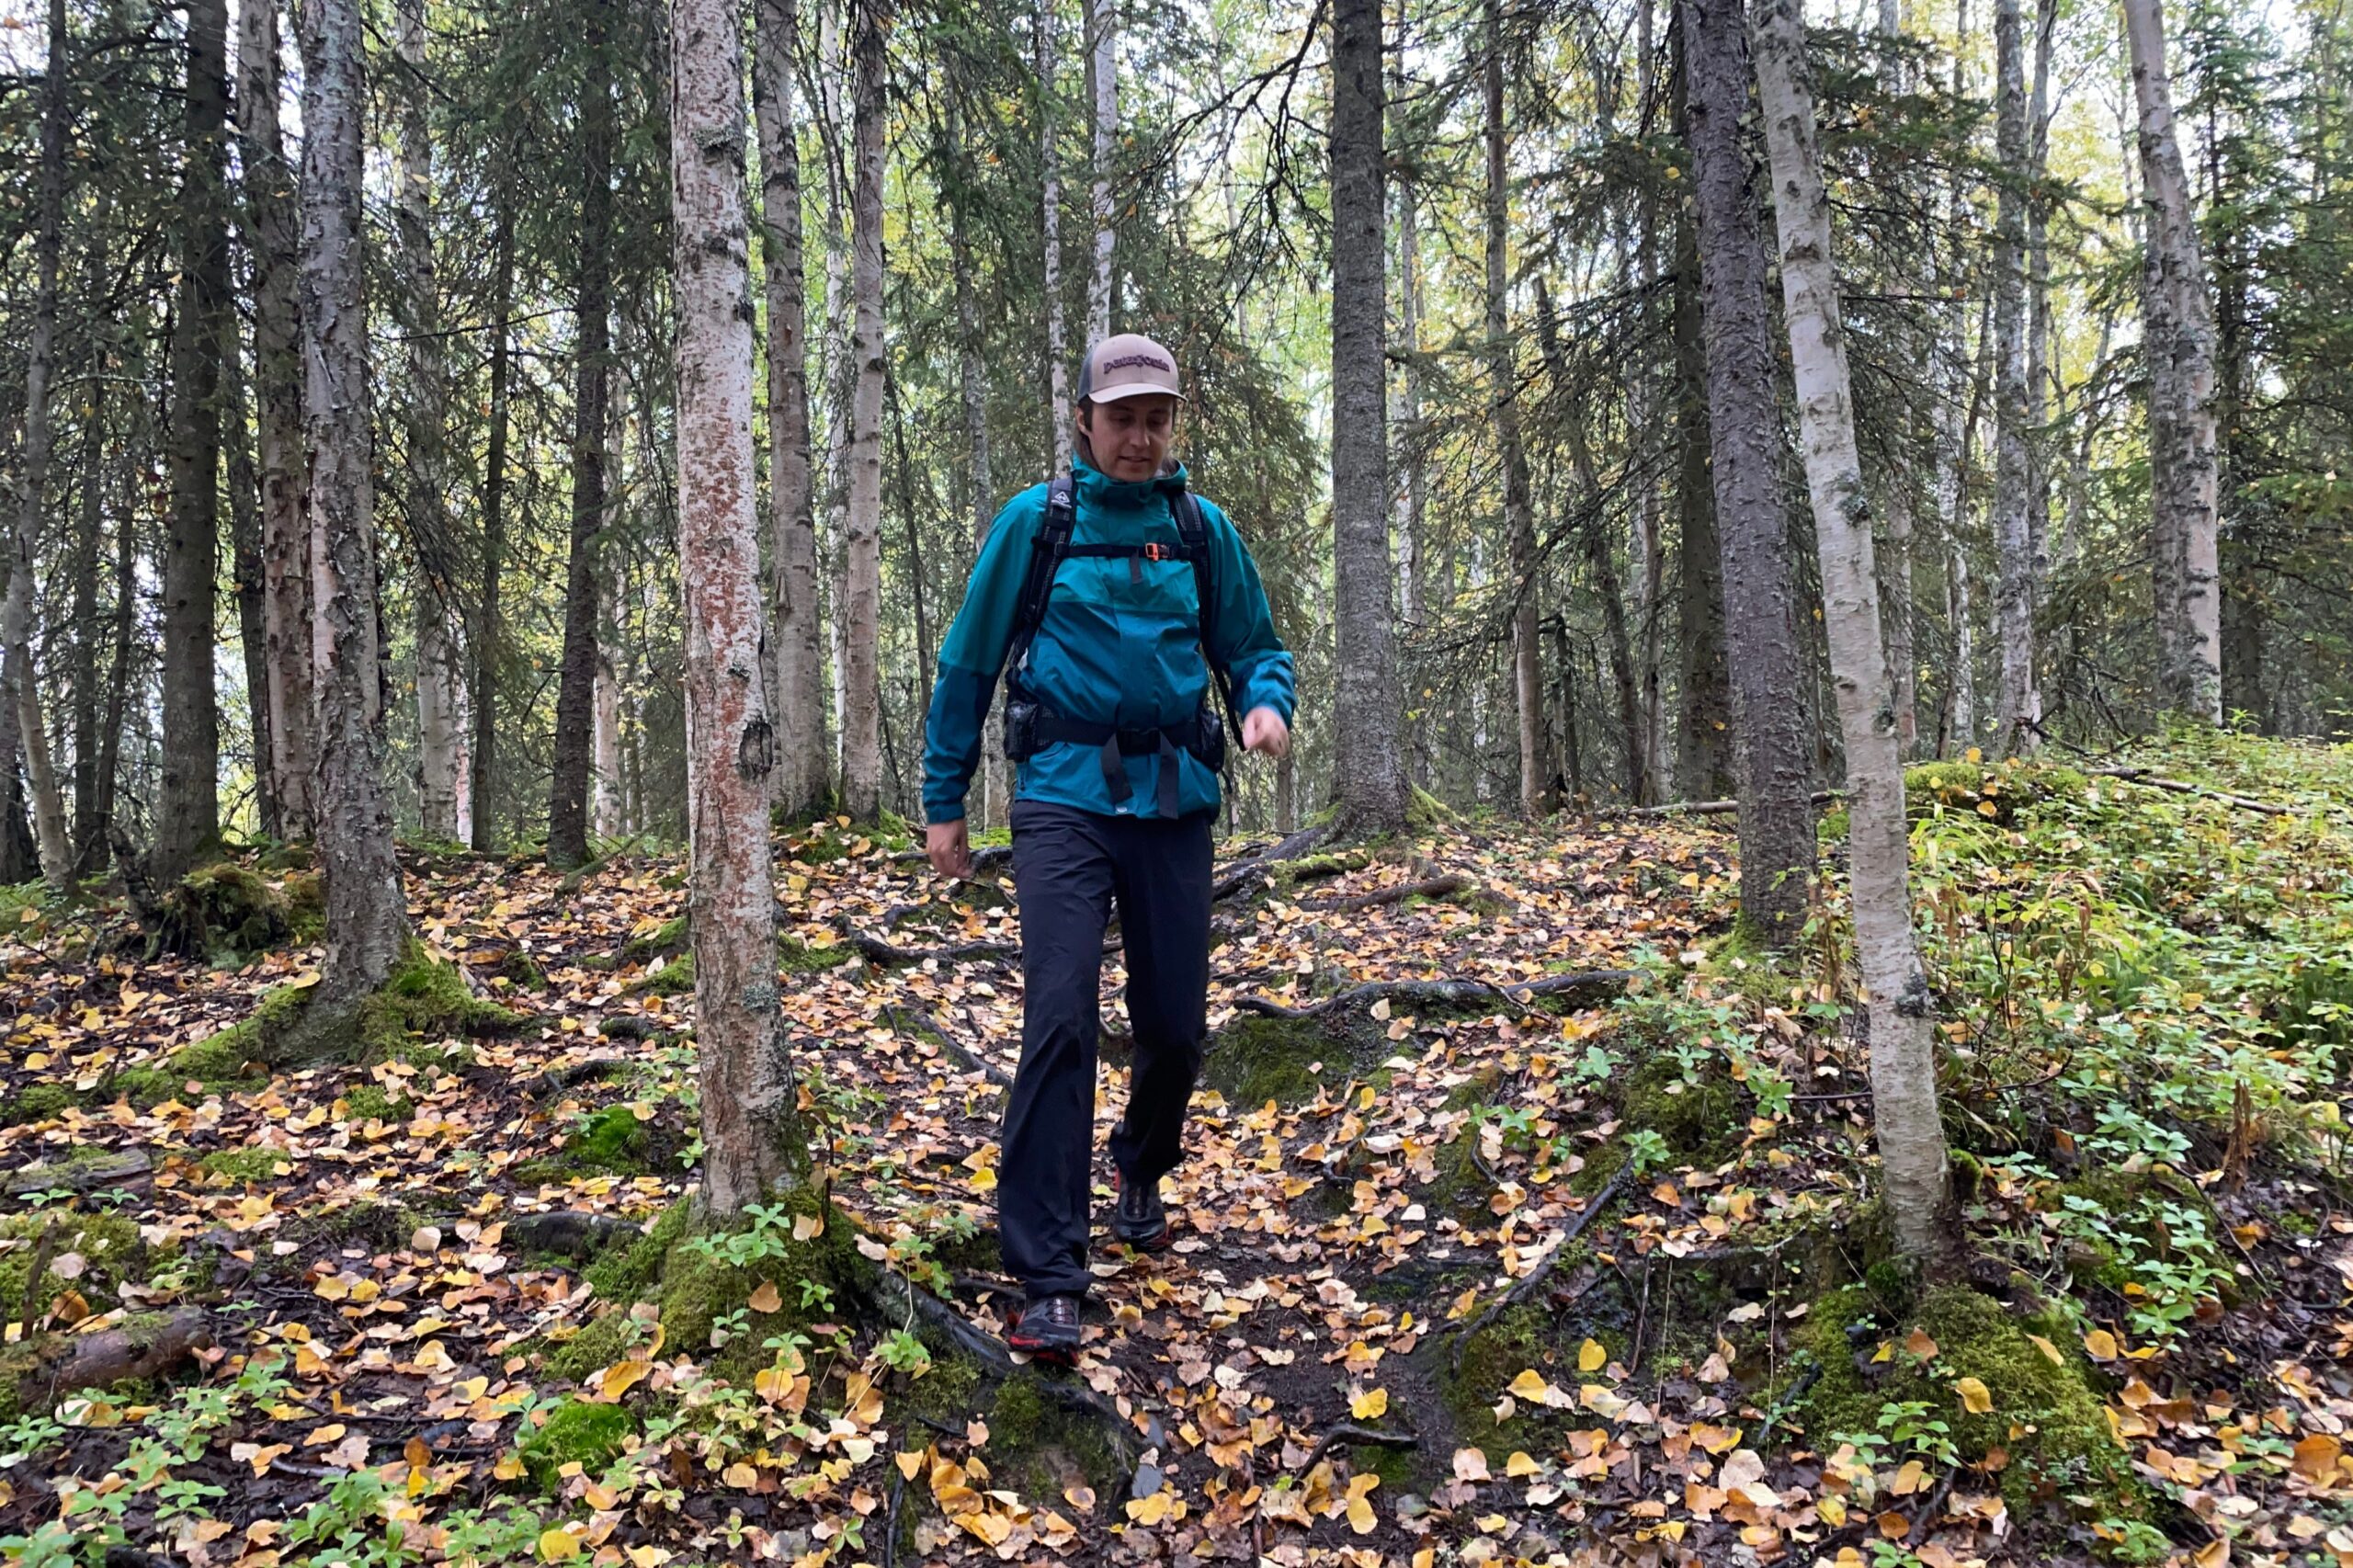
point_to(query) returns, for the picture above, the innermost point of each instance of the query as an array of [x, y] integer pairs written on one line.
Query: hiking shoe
[[1138, 1217], [1048, 1329]]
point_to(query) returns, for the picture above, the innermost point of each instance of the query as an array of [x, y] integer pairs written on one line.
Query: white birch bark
[[1049, 162], [752, 1145], [1103, 80], [1902, 1055], [861, 610], [2178, 320]]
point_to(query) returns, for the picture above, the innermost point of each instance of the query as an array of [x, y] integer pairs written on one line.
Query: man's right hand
[[950, 849]]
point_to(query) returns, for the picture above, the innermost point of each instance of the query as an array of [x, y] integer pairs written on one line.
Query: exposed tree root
[[570, 1233], [2141, 775], [1347, 1434], [1535, 1276], [1451, 885], [140, 1348], [1243, 874], [1600, 985], [972, 1061]]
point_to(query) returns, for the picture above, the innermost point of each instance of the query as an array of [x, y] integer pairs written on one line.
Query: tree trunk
[[1704, 739], [1050, 206], [366, 918], [606, 818], [575, 703], [20, 716], [1103, 93], [751, 1135], [440, 741], [2018, 712], [489, 630], [1903, 1046], [187, 806], [246, 577], [2041, 382], [2177, 330], [88, 541], [973, 379], [1411, 486], [268, 207], [1520, 513], [1769, 674], [98, 838], [862, 539], [799, 703], [1368, 710]]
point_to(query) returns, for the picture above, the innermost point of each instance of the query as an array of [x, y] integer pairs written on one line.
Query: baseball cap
[[1128, 365]]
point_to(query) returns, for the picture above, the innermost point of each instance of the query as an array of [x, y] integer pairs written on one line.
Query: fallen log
[[1238, 875], [2143, 777], [569, 1233], [143, 1347], [1450, 885], [1601, 983], [1696, 808]]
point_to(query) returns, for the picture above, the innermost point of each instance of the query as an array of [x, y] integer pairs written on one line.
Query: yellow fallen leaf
[[1591, 1356], [619, 1378], [1976, 1398], [1520, 1467], [558, 1546], [1370, 1405], [2048, 1349], [766, 1299], [508, 1468], [1831, 1510], [741, 1476], [806, 1227], [2100, 1345], [327, 1434], [1529, 1384], [2316, 1458], [1149, 1511]]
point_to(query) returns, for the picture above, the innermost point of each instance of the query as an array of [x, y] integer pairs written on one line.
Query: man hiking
[[1116, 603]]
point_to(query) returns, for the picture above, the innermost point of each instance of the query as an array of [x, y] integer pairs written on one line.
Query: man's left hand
[[1263, 730]]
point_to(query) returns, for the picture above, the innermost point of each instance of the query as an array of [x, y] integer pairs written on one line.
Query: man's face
[[1129, 436]]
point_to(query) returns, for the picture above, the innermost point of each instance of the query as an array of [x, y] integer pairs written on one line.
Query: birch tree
[[366, 918], [1769, 677], [2017, 713], [1051, 204], [1103, 92], [2177, 333], [1902, 1058], [21, 727], [792, 519], [1368, 710], [861, 610], [753, 1144], [188, 807]]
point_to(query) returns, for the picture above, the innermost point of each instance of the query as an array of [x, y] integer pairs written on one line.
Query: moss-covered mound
[[222, 911], [577, 1432], [422, 1004], [91, 1255], [1255, 1059], [2039, 1427], [1996, 791]]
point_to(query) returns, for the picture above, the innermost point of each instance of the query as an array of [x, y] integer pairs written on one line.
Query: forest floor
[[1480, 1275]]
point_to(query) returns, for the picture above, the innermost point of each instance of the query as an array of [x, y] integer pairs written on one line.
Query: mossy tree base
[[421, 1004]]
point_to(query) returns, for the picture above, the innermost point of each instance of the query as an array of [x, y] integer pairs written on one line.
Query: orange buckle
[[1159, 553]]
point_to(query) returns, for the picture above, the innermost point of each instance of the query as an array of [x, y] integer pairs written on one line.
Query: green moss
[[672, 979], [37, 1102], [243, 1165], [306, 904], [1995, 793], [1492, 1357], [107, 1244], [611, 1139], [373, 1102], [797, 957], [949, 1391], [600, 1343], [626, 1274], [2045, 1413], [522, 971], [222, 911], [591, 1436], [1702, 1122], [1396, 1467], [422, 1003], [665, 939], [1035, 1444], [1255, 1059], [698, 1288], [1313, 868]]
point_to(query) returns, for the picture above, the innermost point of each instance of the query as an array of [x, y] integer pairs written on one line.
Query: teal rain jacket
[[1111, 651]]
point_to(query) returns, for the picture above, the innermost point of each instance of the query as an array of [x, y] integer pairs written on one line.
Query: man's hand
[[1263, 730], [949, 848]]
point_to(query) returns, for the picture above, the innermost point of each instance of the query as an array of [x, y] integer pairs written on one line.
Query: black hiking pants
[[1068, 867]]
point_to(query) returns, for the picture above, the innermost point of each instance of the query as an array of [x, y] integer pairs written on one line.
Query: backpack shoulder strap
[[1193, 537], [1046, 550]]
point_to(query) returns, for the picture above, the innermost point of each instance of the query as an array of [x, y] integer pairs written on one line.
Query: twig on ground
[[1347, 1434], [1446, 886], [890, 1523], [876, 950], [1535, 1276], [1238, 875], [1603, 983], [2182, 786], [1696, 808]]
